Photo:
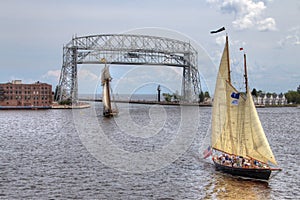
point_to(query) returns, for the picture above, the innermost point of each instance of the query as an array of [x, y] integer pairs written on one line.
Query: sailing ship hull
[[109, 114], [262, 174]]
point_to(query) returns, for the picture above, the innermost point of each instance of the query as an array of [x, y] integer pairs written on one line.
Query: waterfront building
[[270, 99], [18, 94]]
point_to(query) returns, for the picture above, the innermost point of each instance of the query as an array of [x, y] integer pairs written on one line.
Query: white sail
[[236, 128], [230, 135], [106, 97], [256, 142], [105, 76], [219, 110]]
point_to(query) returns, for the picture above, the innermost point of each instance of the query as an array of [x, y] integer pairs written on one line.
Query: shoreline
[[82, 105], [181, 103], [152, 102]]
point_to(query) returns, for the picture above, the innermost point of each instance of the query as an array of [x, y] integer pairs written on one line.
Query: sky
[[33, 33]]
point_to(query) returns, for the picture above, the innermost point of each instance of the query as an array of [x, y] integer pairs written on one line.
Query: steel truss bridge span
[[127, 49]]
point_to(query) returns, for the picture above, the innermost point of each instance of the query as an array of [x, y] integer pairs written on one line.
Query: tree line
[[175, 97], [291, 96]]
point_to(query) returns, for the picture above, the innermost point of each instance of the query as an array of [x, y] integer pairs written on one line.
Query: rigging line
[[237, 73], [274, 174], [113, 98]]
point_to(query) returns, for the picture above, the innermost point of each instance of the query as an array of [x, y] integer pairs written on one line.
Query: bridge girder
[[127, 50]]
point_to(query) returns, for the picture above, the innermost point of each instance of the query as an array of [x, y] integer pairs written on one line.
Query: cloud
[[87, 75], [248, 14], [220, 40], [23, 79], [52, 74], [88, 81], [292, 37], [139, 77], [266, 24]]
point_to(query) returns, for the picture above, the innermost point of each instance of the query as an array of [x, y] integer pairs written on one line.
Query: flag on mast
[[219, 30]]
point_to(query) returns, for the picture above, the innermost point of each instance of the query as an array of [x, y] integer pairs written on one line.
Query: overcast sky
[[33, 33]]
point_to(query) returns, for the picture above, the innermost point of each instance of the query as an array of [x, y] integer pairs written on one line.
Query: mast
[[245, 75], [228, 64]]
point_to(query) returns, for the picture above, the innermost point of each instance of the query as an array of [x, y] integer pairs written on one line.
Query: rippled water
[[43, 155]]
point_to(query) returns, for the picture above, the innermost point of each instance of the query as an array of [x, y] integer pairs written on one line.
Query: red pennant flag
[[241, 49]]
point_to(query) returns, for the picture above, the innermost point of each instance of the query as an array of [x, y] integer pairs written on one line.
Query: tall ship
[[239, 145], [108, 111]]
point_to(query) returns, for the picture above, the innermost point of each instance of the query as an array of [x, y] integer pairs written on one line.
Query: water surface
[[43, 156]]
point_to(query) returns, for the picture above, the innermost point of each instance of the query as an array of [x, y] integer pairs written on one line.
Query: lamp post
[[158, 93]]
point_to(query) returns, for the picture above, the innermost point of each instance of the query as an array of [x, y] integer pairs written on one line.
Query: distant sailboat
[[238, 142], [106, 97]]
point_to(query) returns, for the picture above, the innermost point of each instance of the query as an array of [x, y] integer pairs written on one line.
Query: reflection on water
[[42, 157], [225, 187]]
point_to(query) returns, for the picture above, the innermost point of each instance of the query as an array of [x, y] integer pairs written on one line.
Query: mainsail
[[236, 128], [105, 79]]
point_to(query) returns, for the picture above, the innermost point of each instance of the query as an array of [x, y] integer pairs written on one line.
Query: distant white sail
[[105, 75], [106, 97]]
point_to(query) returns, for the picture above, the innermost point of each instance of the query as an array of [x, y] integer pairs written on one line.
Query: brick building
[[18, 94]]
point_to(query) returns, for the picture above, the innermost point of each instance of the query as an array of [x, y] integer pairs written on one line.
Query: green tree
[[167, 96], [66, 102], [206, 94], [259, 93], [254, 92], [293, 97], [201, 97], [176, 96]]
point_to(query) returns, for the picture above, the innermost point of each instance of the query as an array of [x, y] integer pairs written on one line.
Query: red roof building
[[18, 94]]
